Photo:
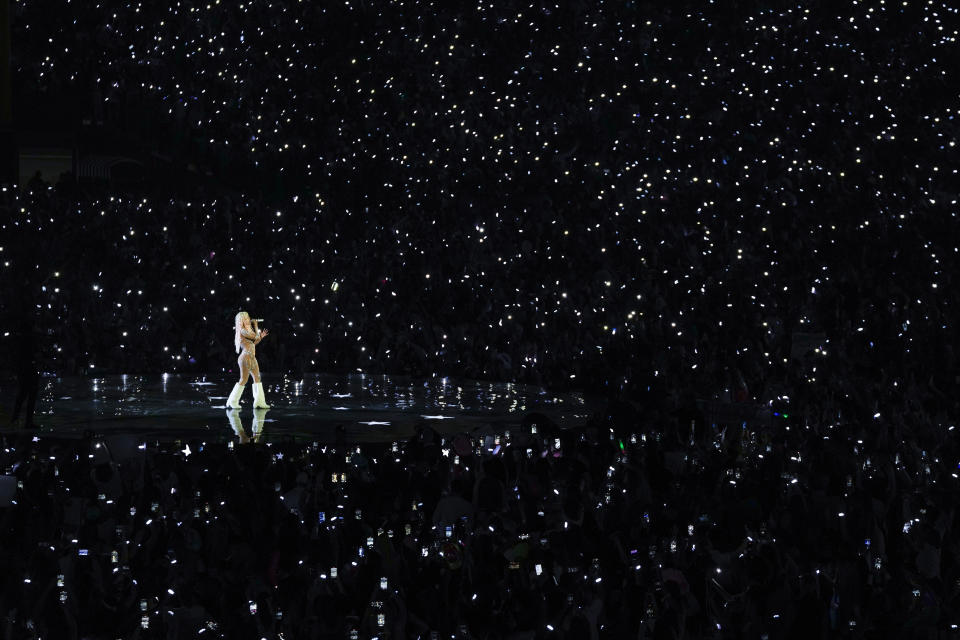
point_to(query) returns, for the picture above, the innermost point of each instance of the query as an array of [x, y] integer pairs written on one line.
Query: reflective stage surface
[[365, 407]]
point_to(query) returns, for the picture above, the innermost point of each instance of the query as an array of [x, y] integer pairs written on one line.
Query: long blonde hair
[[237, 325]]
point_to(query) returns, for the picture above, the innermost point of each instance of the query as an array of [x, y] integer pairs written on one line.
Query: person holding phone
[[247, 335]]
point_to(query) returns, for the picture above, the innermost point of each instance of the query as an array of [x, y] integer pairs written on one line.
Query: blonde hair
[[237, 325]]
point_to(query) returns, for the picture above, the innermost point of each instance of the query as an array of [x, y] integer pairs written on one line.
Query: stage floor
[[368, 408]]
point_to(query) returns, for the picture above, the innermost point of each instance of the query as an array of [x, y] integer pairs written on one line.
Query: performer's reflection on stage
[[256, 426]]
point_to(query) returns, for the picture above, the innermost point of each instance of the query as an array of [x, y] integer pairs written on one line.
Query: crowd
[[663, 202], [635, 526], [609, 196]]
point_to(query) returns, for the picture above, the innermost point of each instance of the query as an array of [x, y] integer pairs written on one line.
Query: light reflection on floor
[[366, 407]]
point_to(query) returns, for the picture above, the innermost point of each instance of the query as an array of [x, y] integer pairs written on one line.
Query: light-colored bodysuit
[[248, 355]]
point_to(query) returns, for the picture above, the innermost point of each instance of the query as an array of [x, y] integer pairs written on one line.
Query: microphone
[[258, 320]]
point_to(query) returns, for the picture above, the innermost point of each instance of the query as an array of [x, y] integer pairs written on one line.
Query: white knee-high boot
[[233, 402], [259, 401]]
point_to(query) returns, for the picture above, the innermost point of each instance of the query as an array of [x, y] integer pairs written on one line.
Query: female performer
[[245, 339]]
